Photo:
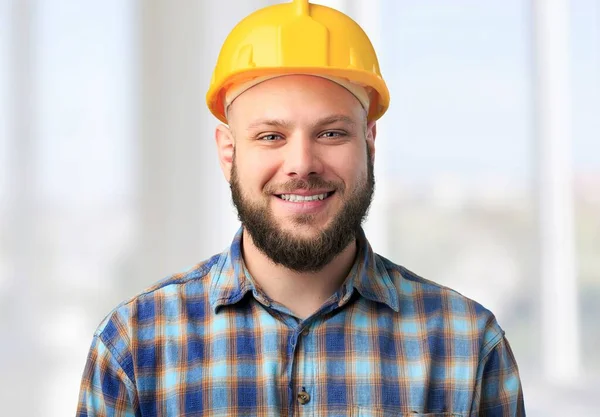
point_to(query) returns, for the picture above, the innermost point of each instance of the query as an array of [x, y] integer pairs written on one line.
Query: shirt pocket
[[381, 412]]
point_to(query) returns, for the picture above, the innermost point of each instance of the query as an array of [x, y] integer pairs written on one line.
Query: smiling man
[[298, 155], [299, 316]]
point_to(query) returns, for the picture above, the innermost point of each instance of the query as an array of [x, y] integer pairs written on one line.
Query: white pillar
[[178, 220], [21, 298], [560, 334], [184, 202]]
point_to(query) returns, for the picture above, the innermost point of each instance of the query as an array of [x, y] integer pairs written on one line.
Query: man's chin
[[303, 228]]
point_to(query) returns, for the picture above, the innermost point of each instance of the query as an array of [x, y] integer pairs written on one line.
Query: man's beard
[[297, 253]]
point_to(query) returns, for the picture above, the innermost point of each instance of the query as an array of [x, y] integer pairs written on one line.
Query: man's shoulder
[[441, 305], [411, 284], [191, 283]]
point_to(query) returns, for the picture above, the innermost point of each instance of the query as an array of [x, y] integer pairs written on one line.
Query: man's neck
[[303, 293]]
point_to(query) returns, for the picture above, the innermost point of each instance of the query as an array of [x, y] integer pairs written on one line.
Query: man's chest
[[350, 364]]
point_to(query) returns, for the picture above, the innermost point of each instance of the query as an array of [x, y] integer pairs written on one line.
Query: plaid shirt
[[209, 343]]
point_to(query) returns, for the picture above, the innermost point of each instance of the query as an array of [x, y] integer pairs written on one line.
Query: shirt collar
[[369, 276], [231, 281]]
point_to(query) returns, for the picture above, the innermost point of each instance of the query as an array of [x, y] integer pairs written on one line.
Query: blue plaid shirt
[[208, 343]]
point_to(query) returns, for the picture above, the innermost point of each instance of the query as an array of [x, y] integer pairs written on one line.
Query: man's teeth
[[297, 198]]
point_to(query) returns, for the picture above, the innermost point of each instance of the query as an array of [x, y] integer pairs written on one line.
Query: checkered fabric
[[209, 343]]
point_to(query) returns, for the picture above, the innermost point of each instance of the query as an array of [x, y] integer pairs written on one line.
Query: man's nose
[[302, 156]]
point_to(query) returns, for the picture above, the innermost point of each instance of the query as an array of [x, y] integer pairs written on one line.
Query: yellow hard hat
[[297, 38]]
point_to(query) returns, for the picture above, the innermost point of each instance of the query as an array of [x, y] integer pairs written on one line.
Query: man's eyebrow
[[280, 123], [335, 118]]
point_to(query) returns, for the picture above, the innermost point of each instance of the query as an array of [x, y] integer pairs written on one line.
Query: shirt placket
[[302, 384], [302, 360], [307, 361]]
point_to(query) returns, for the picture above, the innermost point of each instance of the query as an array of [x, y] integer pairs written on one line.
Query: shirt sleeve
[[106, 390], [498, 390]]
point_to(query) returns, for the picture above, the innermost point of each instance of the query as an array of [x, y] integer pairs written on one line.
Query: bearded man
[[299, 316]]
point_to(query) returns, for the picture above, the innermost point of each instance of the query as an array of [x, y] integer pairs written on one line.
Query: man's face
[[302, 172]]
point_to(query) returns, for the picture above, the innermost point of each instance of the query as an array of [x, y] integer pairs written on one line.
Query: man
[[299, 316]]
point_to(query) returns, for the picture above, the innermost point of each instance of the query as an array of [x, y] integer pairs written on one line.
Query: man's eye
[[332, 134], [270, 138]]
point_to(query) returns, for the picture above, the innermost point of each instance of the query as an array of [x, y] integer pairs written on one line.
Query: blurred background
[[488, 172]]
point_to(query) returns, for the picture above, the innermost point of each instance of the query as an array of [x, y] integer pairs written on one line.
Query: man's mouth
[[296, 198]]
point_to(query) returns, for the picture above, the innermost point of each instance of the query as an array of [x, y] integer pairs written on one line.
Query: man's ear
[[371, 135], [225, 148]]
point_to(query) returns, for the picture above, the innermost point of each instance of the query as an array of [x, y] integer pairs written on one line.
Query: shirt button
[[305, 332], [303, 397]]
